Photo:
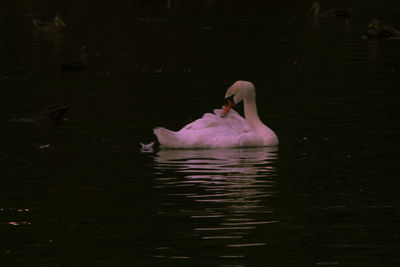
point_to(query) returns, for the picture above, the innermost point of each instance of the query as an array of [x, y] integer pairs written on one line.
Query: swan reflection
[[229, 189]]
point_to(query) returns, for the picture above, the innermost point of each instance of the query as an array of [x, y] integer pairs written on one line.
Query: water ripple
[[224, 191]]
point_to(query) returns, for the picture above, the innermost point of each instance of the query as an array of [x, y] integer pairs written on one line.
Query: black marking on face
[[229, 98]]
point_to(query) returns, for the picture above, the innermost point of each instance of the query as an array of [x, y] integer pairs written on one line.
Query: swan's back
[[211, 131]]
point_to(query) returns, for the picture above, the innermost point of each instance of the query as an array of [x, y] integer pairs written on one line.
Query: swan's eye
[[229, 99]]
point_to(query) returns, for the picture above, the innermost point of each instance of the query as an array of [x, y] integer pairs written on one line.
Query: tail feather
[[165, 137]]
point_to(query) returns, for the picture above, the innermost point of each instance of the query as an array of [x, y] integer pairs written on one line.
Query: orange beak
[[227, 107]]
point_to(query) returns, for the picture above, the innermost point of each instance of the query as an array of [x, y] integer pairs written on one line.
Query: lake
[[84, 193]]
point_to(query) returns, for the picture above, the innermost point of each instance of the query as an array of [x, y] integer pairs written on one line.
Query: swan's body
[[223, 128]]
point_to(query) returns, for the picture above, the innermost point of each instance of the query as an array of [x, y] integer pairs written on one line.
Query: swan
[[225, 127]]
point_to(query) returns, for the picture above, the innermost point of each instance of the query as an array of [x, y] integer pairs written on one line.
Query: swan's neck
[[251, 114]]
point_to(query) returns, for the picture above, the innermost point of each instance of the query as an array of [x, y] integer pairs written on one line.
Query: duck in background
[[52, 115], [375, 30], [57, 25], [78, 65], [330, 13]]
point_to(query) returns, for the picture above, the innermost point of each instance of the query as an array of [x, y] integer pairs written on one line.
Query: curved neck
[[251, 116], [250, 112]]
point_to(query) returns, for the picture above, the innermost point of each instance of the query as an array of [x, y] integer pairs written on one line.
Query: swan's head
[[237, 92]]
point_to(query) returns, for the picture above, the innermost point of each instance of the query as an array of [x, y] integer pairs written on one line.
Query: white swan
[[224, 128]]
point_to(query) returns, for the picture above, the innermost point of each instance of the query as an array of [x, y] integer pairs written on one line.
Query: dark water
[[84, 193]]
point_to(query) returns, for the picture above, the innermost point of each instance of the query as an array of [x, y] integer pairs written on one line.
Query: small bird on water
[[330, 13], [57, 25], [375, 30], [78, 65], [53, 115]]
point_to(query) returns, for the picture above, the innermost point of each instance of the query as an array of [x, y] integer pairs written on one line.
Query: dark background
[[92, 197]]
